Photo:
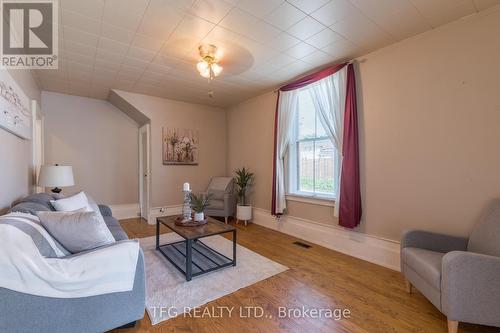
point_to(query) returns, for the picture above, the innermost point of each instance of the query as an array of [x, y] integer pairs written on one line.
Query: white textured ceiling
[[150, 46]]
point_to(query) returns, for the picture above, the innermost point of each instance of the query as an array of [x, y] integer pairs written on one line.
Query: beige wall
[[250, 128], [250, 144], [98, 140], [15, 154], [167, 180], [429, 114]]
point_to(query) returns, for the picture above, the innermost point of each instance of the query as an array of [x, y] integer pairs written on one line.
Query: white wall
[[167, 180], [15, 154], [98, 140], [429, 122], [430, 128]]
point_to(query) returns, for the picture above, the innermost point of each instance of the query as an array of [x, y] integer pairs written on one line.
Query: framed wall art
[[180, 146], [15, 113]]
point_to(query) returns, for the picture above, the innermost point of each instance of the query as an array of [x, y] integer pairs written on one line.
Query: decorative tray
[[192, 223]]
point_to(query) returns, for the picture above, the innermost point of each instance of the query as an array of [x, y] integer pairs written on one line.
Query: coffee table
[[191, 256]]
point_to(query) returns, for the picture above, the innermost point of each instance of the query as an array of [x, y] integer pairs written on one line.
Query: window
[[312, 157]]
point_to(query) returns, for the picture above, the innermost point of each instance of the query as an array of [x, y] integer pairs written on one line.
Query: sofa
[[459, 275], [21, 312]]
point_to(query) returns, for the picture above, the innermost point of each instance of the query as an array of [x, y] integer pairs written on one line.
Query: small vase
[[199, 216]]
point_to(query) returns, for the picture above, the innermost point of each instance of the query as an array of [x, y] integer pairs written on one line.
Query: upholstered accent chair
[[223, 201], [460, 276]]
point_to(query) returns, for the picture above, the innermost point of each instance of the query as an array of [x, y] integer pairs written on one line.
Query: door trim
[[145, 129]]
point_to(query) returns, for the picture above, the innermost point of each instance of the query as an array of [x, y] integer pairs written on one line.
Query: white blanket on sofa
[[23, 268]]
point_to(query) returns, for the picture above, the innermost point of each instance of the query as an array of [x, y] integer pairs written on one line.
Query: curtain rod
[[347, 63]]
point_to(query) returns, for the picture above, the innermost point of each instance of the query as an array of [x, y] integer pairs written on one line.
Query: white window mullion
[[305, 137], [297, 167], [336, 169], [314, 166], [314, 150]]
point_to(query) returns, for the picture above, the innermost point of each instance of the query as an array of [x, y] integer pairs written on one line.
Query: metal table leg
[[234, 247], [157, 234], [189, 257]]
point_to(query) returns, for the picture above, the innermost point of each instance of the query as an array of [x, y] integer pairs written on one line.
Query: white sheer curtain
[[328, 96], [287, 110]]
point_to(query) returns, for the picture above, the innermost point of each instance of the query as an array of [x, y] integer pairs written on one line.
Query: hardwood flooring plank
[[318, 278]]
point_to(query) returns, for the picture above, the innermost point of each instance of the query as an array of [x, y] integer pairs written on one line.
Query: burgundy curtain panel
[[350, 189], [350, 203], [273, 202]]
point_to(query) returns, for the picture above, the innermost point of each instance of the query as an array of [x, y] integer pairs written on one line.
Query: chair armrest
[[105, 210], [470, 287], [433, 241], [229, 203]]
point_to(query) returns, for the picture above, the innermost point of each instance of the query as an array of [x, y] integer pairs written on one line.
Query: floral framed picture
[[180, 146]]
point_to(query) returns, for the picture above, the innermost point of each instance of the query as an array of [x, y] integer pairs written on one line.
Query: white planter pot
[[199, 216], [244, 213]]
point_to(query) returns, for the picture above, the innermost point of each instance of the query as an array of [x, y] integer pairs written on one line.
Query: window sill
[[320, 201]]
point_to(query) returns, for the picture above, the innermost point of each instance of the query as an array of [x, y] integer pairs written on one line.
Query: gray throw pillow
[[77, 231]]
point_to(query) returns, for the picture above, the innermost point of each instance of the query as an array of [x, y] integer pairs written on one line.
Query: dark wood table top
[[213, 227]]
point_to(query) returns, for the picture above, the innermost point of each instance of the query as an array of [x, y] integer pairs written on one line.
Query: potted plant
[[242, 180], [198, 205]]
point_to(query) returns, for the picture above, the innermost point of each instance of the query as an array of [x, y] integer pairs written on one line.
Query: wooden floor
[[317, 278]]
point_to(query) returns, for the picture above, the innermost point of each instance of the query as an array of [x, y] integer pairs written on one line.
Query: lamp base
[[56, 190]]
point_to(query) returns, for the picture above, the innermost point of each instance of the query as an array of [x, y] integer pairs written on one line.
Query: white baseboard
[[163, 211], [126, 211], [374, 249]]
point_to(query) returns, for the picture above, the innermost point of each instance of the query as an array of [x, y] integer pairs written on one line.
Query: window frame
[[293, 169]]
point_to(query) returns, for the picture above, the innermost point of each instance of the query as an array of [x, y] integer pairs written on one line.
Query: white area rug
[[169, 294]]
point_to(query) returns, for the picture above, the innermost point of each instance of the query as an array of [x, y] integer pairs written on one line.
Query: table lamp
[[56, 176]]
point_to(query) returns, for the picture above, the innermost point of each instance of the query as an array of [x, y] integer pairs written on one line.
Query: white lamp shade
[[56, 176]]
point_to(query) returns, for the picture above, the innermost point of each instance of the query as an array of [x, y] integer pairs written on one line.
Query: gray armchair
[[223, 201], [460, 276]]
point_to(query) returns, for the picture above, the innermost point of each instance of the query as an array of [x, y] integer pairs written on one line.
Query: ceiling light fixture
[[208, 66]]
